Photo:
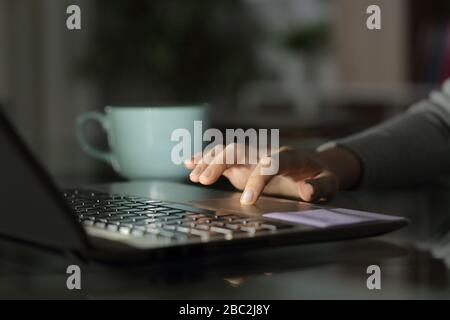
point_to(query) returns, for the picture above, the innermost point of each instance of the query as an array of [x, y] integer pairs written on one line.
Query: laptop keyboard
[[136, 216]]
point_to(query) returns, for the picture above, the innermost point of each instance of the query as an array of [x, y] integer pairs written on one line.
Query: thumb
[[255, 186], [322, 187]]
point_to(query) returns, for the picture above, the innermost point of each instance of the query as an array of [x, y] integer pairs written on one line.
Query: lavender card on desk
[[324, 218]]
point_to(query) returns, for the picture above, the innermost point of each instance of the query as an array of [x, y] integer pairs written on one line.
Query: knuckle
[[232, 146], [286, 148], [218, 149], [265, 161], [256, 182]]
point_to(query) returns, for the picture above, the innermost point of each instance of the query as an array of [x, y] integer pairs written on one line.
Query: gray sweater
[[408, 149]]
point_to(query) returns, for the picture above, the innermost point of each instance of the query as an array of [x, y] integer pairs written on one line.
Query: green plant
[[187, 50], [310, 38]]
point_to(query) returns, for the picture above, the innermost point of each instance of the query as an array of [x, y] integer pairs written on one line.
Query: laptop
[[127, 220]]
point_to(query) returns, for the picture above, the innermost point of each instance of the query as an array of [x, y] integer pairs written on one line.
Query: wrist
[[344, 163]]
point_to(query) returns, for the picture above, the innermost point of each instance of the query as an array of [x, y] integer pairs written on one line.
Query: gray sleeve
[[411, 148]]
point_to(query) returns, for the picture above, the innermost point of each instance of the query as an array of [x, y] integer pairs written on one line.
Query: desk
[[414, 261]]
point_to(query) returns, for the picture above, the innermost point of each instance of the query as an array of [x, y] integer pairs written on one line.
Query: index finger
[[287, 161], [193, 161], [256, 182]]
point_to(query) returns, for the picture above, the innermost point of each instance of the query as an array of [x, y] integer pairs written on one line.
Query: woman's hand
[[311, 177]]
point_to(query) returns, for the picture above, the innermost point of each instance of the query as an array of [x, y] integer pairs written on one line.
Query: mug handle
[[82, 120]]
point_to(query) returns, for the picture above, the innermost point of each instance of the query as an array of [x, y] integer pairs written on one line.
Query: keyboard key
[[168, 218], [202, 226], [132, 210], [91, 213], [195, 216], [114, 201], [183, 229], [126, 224], [118, 208], [255, 224], [204, 235], [159, 209], [173, 222], [166, 233], [103, 216], [88, 222], [114, 205], [137, 233], [153, 231], [112, 227], [230, 218], [182, 236], [141, 228], [182, 215], [233, 226], [107, 211], [140, 218], [118, 203], [169, 227], [149, 202], [125, 230], [204, 220], [174, 211], [148, 221], [242, 220], [127, 215], [155, 225], [144, 206], [155, 215], [249, 229], [188, 224], [221, 214], [114, 219], [270, 227], [228, 233]]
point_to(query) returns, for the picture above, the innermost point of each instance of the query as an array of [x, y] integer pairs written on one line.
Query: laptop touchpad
[[264, 205]]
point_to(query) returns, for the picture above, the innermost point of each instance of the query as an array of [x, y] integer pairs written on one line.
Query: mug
[[140, 138]]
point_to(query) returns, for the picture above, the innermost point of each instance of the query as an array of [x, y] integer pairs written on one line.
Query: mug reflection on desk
[[139, 138]]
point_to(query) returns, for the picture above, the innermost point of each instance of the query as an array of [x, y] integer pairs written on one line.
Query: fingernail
[[248, 197], [196, 171], [307, 192], [205, 174], [193, 176], [309, 189]]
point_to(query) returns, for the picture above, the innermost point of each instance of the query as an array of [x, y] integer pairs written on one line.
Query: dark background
[[308, 67]]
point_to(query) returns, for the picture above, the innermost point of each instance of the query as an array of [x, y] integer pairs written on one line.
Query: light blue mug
[[140, 138]]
